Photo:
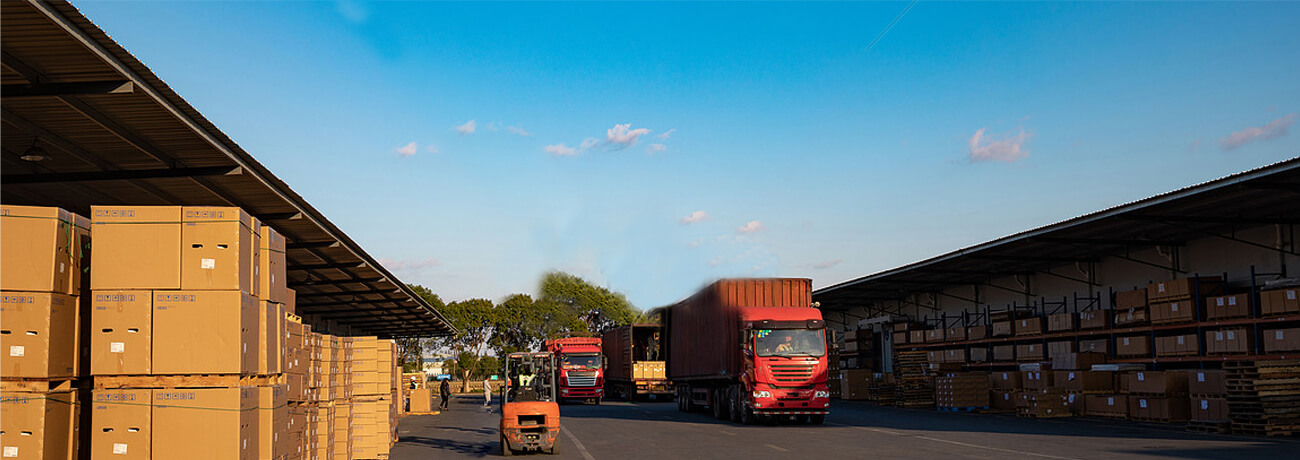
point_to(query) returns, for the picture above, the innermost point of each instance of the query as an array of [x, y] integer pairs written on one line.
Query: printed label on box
[[1004, 376], [1160, 287], [1110, 401], [1218, 302], [1071, 377], [116, 347], [11, 451], [1231, 334], [17, 350], [1174, 306], [208, 263], [1278, 334], [1205, 404], [1232, 300], [1126, 341], [60, 267], [1071, 397], [1142, 403], [1218, 336], [1290, 295], [119, 448], [1141, 377], [1200, 376], [1180, 340]]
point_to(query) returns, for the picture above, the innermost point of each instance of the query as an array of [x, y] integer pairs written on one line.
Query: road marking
[[726, 432], [958, 443], [576, 442], [782, 449]]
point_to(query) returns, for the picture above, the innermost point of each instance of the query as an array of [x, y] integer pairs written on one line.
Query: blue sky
[[722, 139]]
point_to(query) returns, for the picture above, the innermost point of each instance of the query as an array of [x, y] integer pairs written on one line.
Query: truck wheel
[[733, 403], [747, 416], [505, 448], [719, 404], [817, 419], [681, 401], [555, 448], [597, 401]]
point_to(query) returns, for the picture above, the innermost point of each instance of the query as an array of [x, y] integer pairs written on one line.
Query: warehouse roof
[[114, 133], [1264, 196]]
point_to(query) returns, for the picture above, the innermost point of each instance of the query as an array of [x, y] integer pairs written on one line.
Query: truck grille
[[582, 379], [792, 372]]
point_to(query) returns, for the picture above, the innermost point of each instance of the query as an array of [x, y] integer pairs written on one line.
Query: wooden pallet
[[186, 381], [40, 385], [1109, 415], [1209, 426], [963, 409]]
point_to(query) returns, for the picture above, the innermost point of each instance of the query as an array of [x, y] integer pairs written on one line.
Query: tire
[[719, 404], [686, 400], [555, 448], [597, 401], [505, 448], [734, 404], [747, 416], [681, 401], [817, 419]]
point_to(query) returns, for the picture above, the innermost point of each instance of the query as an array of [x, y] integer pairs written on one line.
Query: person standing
[[487, 392], [444, 390]]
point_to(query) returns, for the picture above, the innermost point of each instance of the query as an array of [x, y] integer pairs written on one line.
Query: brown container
[[1185, 288], [272, 421], [955, 333], [1206, 382], [979, 355], [1136, 298], [1061, 322], [1077, 361], [290, 301], [1158, 409], [1229, 341], [1178, 311], [916, 336], [121, 424], [1029, 352], [1209, 409], [271, 266], [1084, 381], [1004, 353], [1230, 306], [219, 249], [227, 417], [1002, 400], [934, 335], [121, 333], [43, 249], [1094, 319], [1131, 316], [1095, 346], [1003, 328], [1280, 340], [1106, 405], [40, 425], [900, 338], [1037, 380], [41, 335], [1055, 349], [204, 332], [270, 330], [1006, 380], [1138, 345], [1171, 383], [1029, 326], [1279, 302], [136, 247], [977, 332]]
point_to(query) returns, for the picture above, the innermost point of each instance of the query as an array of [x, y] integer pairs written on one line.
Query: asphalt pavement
[[619, 430]]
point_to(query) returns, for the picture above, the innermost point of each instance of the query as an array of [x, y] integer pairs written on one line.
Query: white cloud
[[827, 264], [654, 148], [467, 128], [407, 150], [696, 242], [751, 227], [1274, 129], [1006, 150], [623, 135], [408, 265], [667, 133], [560, 150], [518, 130], [588, 143], [697, 216]]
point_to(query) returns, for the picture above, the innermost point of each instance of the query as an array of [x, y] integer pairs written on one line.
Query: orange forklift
[[530, 415]]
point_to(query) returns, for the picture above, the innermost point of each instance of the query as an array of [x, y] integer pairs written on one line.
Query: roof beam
[[1033, 258], [314, 245], [1111, 241], [68, 89], [364, 302], [326, 266], [327, 281], [280, 216], [138, 174], [348, 293], [1216, 220]]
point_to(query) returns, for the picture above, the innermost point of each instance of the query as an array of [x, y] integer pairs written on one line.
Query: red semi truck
[[752, 350], [636, 362], [581, 367]]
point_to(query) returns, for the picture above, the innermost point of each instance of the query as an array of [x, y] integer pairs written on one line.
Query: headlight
[[822, 394], [762, 394]]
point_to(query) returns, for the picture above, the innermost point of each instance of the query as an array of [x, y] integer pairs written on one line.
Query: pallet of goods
[[914, 386], [1264, 396]]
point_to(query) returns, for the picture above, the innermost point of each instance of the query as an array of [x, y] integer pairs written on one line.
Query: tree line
[[563, 304]]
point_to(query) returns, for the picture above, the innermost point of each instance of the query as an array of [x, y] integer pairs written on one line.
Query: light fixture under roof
[[35, 153]]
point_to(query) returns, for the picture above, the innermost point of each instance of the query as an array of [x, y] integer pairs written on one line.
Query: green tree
[[475, 319], [597, 308], [411, 351]]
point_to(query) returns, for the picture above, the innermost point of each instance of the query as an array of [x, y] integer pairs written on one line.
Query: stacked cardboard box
[[1178, 345], [42, 298], [1131, 307], [1281, 340], [1209, 401], [962, 390], [854, 383], [1158, 396], [1228, 307], [1133, 346], [1178, 301], [1229, 341], [1094, 319], [1042, 403], [1279, 302], [374, 399]]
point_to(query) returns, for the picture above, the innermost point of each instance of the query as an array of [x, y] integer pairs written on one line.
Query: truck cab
[[581, 368], [785, 370]]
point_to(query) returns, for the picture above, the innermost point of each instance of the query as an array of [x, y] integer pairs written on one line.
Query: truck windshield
[[790, 342], [580, 362]]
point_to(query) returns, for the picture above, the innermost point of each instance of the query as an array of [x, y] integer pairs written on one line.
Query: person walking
[[444, 390], [487, 392]]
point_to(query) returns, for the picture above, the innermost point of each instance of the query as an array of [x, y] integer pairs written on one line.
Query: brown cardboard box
[[218, 250], [1185, 288], [1085, 381], [1136, 298], [226, 417], [1162, 383], [957, 355], [1003, 328], [204, 332], [1279, 302], [273, 421], [1177, 345], [1206, 382], [271, 282], [1229, 306], [934, 335], [849, 346], [900, 338], [1029, 352], [1002, 400], [1095, 346], [1038, 380], [290, 300], [41, 335], [955, 333], [1007, 380], [1106, 405], [1179, 311], [1131, 316], [42, 250], [39, 425], [916, 337], [979, 355], [1158, 409], [1229, 341], [1004, 353], [1278, 340], [136, 247], [422, 399], [1055, 349], [1077, 361], [121, 341], [1060, 322], [1209, 409], [1029, 326], [121, 424], [1094, 319], [1138, 345], [270, 330], [977, 332]]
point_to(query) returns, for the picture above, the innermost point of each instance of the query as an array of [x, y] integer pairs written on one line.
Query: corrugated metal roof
[[150, 147]]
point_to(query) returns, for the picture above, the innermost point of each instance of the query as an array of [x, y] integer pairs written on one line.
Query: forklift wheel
[[555, 448], [505, 448]]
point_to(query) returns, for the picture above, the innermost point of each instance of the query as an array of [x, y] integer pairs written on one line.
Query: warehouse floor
[[616, 430]]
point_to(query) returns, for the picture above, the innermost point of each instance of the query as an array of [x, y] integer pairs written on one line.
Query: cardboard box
[[1029, 352], [1084, 381], [1095, 346], [41, 335], [1138, 345], [934, 335], [916, 337], [1279, 340], [227, 418], [1106, 405], [1094, 319], [218, 250], [422, 398], [1233, 341], [1003, 328], [271, 263], [121, 340], [1002, 400], [900, 338], [1230, 306], [955, 333], [1004, 353], [977, 332], [1177, 345], [1131, 316], [1077, 361], [1178, 311], [1162, 383], [1277, 302], [39, 425], [1055, 349], [42, 249], [1061, 322], [204, 332], [1206, 382], [1029, 326], [121, 424], [979, 355], [1136, 298], [270, 331], [290, 300], [1038, 380], [273, 421], [1209, 409], [136, 247], [1006, 380], [1158, 409], [1184, 288]]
